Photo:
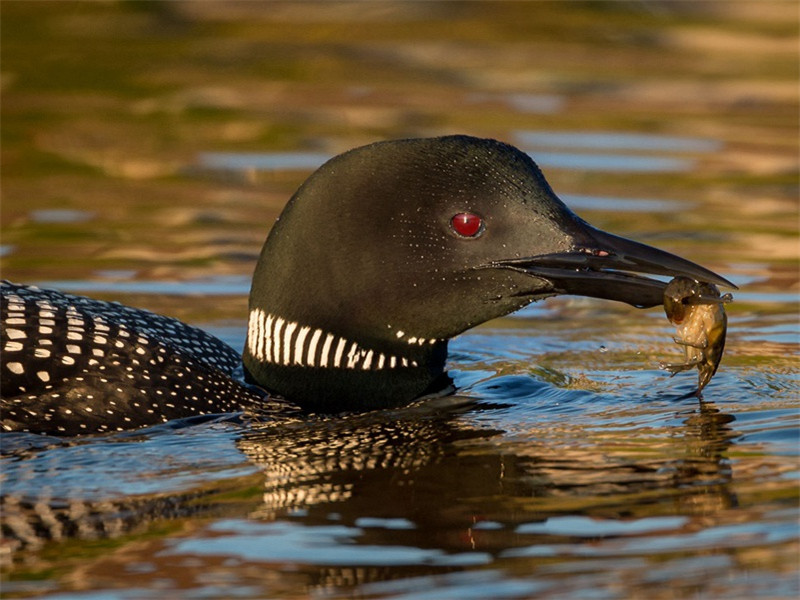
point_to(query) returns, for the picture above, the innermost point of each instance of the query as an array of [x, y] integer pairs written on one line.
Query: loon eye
[[467, 224]]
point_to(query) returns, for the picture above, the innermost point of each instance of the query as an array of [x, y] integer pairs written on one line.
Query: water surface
[[148, 148]]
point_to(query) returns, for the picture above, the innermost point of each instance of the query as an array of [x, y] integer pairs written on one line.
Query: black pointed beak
[[602, 265]]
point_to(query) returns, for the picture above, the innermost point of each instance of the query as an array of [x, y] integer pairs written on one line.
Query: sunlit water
[[567, 464]]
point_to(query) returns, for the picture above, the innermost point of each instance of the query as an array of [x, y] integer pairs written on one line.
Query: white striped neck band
[[278, 341]]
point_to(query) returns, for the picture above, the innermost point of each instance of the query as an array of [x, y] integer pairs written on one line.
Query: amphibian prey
[[697, 309]]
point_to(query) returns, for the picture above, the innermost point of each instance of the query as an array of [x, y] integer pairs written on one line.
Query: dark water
[[567, 465]]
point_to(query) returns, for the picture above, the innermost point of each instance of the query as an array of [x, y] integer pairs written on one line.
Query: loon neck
[[320, 369]]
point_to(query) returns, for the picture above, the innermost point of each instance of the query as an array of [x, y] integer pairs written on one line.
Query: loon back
[[76, 365]]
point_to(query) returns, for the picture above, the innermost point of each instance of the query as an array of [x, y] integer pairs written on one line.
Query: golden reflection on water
[[310, 466], [116, 133]]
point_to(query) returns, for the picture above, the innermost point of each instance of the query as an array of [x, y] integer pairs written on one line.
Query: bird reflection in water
[[432, 467], [437, 477]]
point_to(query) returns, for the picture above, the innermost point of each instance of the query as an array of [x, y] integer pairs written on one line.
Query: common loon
[[383, 254]]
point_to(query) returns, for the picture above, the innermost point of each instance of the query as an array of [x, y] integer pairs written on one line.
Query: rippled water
[[568, 465]]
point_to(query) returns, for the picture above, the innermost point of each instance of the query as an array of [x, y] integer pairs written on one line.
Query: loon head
[[389, 250]]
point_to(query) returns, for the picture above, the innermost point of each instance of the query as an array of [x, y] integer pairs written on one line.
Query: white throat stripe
[[275, 336], [274, 340], [287, 340], [300, 345], [312, 347], [266, 342], [326, 350]]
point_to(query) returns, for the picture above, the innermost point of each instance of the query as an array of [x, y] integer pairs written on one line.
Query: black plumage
[[76, 365]]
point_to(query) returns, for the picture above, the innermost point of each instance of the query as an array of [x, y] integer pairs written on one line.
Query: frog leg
[[690, 363], [678, 367], [681, 342]]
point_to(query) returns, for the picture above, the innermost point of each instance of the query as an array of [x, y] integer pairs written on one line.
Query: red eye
[[467, 224]]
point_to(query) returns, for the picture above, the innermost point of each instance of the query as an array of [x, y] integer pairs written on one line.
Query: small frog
[[697, 310]]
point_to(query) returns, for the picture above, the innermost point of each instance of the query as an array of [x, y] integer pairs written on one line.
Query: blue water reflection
[[546, 148], [262, 161], [580, 202], [610, 163], [593, 151], [61, 215], [220, 285], [616, 140], [321, 544]]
